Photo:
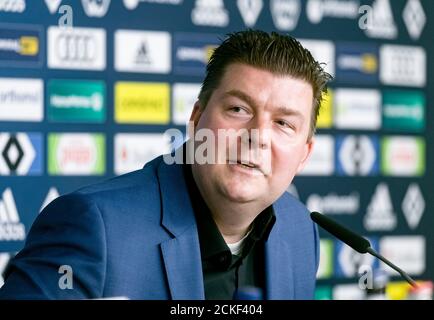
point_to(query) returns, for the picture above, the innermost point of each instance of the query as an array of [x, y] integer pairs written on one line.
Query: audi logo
[[76, 48]]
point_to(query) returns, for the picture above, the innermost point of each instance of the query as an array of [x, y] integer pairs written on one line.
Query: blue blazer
[[136, 236]]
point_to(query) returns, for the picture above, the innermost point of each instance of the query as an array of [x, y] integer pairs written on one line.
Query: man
[[205, 230]]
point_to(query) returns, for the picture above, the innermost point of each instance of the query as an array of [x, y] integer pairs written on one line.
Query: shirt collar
[[210, 238]]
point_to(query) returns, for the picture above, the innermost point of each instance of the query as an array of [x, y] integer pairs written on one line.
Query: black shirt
[[223, 272]]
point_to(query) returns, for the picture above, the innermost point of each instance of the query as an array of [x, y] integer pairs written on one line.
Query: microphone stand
[[394, 267]]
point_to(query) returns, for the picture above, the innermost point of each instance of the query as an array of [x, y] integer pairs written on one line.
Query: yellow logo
[[369, 63], [209, 51], [29, 46], [140, 102], [325, 111]]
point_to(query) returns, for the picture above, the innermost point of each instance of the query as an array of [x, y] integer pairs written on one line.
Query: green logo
[[76, 154], [403, 156], [404, 111], [323, 293], [325, 268], [76, 101]]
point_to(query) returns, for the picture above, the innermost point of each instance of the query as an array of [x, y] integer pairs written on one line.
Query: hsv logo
[[20, 154], [349, 262], [76, 48], [95, 8], [357, 155], [11, 229]]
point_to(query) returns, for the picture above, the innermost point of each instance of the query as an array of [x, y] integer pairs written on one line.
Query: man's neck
[[232, 219]]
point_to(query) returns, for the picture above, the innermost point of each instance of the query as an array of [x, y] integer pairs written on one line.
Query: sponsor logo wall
[[85, 103]]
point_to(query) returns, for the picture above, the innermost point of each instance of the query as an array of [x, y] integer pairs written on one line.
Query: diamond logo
[[380, 215], [414, 18], [12, 153], [20, 154], [413, 205], [250, 10], [53, 5]]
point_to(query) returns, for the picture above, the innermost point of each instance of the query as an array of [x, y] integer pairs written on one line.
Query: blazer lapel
[[278, 270], [181, 254]]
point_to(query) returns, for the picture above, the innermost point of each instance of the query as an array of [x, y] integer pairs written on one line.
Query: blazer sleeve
[[64, 256]]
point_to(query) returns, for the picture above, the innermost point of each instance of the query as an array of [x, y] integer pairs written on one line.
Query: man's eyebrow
[[248, 99], [241, 95], [289, 112]]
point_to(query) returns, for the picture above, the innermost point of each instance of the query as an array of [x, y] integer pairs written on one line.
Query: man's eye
[[284, 124], [237, 109]]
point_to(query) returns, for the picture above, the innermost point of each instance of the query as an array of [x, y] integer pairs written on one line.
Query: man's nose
[[259, 134]]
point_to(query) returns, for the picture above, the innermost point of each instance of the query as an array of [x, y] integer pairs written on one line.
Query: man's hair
[[277, 53]]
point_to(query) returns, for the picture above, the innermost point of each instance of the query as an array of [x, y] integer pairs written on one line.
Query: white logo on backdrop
[[413, 205], [380, 215], [210, 13], [95, 8], [414, 18], [250, 11], [381, 24]]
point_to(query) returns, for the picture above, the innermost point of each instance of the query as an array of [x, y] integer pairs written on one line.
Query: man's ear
[[196, 113], [307, 150]]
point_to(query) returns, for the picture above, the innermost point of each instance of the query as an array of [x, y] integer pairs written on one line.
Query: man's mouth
[[246, 165]]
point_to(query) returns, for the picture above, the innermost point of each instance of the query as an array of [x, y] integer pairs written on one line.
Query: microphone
[[355, 241]]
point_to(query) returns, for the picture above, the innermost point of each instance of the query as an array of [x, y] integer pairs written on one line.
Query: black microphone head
[[352, 239]]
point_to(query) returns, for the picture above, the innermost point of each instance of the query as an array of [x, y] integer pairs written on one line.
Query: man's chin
[[241, 196]]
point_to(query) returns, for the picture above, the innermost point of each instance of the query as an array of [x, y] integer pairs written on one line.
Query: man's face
[[277, 109]]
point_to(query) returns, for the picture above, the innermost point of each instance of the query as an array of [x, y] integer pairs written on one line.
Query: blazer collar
[[181, 253], [278, 263]]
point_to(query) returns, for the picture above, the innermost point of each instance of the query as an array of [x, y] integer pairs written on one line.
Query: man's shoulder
[[288, 202], [130, 189]]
